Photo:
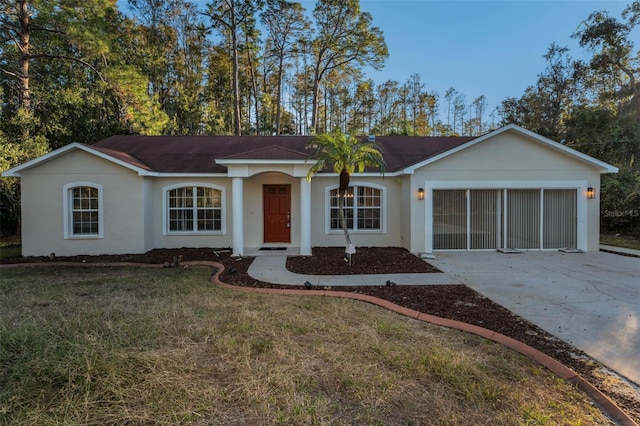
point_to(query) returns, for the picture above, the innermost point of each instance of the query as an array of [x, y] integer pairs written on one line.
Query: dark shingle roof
[[273, 152], [197, 154], [123, 156]]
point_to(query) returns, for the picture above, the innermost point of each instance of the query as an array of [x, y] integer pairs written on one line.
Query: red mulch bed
[[456, 302]]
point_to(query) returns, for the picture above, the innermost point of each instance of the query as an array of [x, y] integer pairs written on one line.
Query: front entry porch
[[264, 219], [280, 251]]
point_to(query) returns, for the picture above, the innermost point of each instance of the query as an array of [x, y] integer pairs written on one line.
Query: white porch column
[[237, 206], [305, 217], [428, 218]]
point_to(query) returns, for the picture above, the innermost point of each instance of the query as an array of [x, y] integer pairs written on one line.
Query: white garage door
[[489, 219]]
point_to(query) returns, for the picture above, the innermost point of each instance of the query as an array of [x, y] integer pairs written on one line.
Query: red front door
[[277, 213]]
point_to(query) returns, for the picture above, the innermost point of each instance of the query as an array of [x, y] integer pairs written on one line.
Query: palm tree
[[344, 154]]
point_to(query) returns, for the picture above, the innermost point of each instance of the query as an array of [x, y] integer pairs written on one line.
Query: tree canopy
[[82, 71]]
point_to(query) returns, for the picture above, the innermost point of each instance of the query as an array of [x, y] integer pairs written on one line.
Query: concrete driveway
[[591, 300]]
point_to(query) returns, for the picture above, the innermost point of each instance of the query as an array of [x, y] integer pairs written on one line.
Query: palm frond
[[339, 152]]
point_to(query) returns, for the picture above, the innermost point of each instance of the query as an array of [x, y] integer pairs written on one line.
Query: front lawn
[[618, 240], [148, 346], [10, 246]]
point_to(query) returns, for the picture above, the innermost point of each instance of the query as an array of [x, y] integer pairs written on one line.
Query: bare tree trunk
[[315, 101], [254, 86], [279, 93], [25, 58], [236, 85]]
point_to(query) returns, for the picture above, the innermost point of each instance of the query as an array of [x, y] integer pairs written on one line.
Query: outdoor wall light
[[591, 193], [420, 193]]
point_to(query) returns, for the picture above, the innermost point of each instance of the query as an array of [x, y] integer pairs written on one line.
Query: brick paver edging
[[556, 367]]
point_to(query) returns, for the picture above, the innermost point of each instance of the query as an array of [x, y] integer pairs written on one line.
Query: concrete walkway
[[590, 300], [272, 269]]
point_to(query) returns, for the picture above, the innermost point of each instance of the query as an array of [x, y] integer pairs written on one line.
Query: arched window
[[83, 216], [363, 208], [194, 208]]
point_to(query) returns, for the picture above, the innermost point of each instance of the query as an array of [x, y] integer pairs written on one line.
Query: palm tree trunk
[[343, 222], [342, 192]]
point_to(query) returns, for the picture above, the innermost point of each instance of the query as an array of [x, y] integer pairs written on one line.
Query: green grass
[[163, 346], [10, 247], [10, 251], [620, 241]]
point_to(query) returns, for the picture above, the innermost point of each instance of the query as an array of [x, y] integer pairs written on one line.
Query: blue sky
[[491, 48]]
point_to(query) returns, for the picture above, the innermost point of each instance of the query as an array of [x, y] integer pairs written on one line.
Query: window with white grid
[[362, 209], [194, 209], [83, 211]]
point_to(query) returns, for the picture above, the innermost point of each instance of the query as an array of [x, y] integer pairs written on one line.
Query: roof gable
[[122, 159], [564, 150], [273, 152]]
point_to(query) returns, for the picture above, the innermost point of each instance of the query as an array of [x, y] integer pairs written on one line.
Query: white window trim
[[579, 185], [383, 209], [67, 213], [165, 209]]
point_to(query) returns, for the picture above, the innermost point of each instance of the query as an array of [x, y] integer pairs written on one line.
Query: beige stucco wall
[[413, 214], [43, 210], [516, 160], [133, 209], [149, 214], [508, 155]]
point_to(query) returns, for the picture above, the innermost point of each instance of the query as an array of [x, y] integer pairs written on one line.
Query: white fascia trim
[[363, 175], [274, 162], [507, 184], [242, 168], [371, 174], [604, 167], [190, 175], [15, 171]]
